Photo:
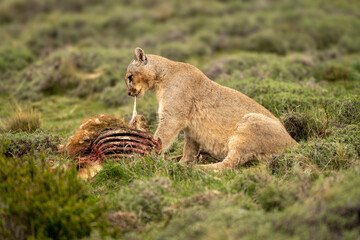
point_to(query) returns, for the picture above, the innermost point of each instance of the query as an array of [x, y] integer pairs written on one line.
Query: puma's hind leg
[[256, 136], [191, 149]]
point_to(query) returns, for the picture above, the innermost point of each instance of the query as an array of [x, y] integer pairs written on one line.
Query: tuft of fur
[[79, 144], [215, 119]]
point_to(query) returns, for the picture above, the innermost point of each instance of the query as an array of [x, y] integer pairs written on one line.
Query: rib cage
[[124, 142]]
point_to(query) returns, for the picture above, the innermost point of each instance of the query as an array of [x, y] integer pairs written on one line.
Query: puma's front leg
[[172, 118], [167, 131], [191, 149]]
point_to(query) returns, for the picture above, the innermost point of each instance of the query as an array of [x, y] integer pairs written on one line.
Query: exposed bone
[[131, 123], [123, 142]]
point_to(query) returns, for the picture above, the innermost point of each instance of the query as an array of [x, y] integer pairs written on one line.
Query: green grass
[[64, 61]]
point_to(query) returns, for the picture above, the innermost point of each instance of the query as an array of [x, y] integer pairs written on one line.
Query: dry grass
[[23, 120]]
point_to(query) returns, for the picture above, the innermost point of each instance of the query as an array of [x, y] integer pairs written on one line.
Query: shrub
[[40, 203], [201, 199], [175, 51], [304, 125], [346, 110], [331, 211], [215, 42], [14, 59], [66, 31], [264, 66], [275, 196], [73, 72], [23, 10], [296, 124], [349, 134], [280, 97], [315, 155], [19, 144], [299, 42], [250, 181], [265, 42], [349, 44], [123, 221], [115, 96], [217, 221], [332, 72], [148, 198], [325, 33]]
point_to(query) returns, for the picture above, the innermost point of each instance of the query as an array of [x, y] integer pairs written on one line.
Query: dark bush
[[325, 33], [349, 44], [23, 10], [305, 125], [331, 211], [19, 144], [148, 198], [116, 96], [280, 97], [265, 42], [175, 51], [14, 59], [42, 204], [275, 196], [73, 72], [64, 32], [296, 124], [332, 72]]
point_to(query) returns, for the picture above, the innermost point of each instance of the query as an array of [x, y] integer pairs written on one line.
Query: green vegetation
[[19, 144], [64, 61], [38, 202], [27, 120]]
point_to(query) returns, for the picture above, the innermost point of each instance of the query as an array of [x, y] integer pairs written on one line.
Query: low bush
[[305, 125], [116, 95], [330, 211], [346, 110], [314, 156], [175, 51], [21, 10], [264, 66], [14, 59], [275, 196], [265, 42], [349, 134], [73, 72], [148, 199], [19, 144], [332, 72], [42, 204], [280, 97], [348, 44], [66, 31]]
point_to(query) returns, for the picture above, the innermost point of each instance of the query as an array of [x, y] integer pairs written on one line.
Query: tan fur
[[215, 119]]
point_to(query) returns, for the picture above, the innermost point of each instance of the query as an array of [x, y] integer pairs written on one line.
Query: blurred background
[[80, 49]]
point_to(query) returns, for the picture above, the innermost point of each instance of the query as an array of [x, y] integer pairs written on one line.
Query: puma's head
[[140, 74]]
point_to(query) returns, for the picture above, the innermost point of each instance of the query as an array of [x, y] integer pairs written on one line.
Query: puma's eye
[[130, 78]]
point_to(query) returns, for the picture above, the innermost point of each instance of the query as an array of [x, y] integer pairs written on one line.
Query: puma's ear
[[139, 55]]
